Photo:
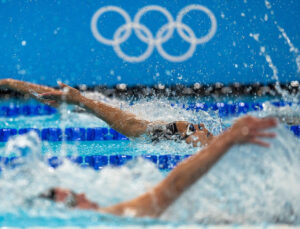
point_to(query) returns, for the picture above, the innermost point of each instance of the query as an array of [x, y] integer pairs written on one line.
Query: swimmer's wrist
[[229, 137], [80, 100]]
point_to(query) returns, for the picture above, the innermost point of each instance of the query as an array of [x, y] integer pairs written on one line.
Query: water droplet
[[56, 30], [23, 43], [255, 36], [22, 72], [298, 63], [268, 4]]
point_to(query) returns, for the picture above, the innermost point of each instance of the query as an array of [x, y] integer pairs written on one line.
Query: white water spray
[[293, 49]]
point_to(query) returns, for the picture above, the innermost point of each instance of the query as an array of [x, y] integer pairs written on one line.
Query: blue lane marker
[[152, 158], [224, 108], [6, 133], [296, 130], [89, 160], [94, 134], [228, 109], [26, 110], [26, 130], [163, 161], [74, 159], [51, 134], [80, 134], [75, 134], [118, 160], [71, 134], [100, 161], [54, 161], [97, 162]]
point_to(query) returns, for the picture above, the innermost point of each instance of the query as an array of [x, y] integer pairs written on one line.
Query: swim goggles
[[70, 201], [190, 130]]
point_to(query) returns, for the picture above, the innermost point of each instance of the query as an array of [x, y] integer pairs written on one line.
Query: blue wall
[[46, 40]]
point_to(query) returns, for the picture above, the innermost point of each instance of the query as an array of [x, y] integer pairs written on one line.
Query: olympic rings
[[122, 34]]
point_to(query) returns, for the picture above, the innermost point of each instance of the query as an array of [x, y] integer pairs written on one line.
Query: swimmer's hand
[[249, 129], [68, 95]]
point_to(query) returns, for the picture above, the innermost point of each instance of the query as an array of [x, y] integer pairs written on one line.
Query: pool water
[[250, 185]]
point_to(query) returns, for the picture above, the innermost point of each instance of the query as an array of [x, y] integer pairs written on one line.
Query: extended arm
[[25, 87], [155, 201], [122, 121]]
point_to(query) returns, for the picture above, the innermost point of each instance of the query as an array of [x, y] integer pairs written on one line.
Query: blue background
[[60, 45]]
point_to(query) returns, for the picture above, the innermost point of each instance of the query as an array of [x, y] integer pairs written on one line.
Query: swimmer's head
[[69, 198], [195, 134]]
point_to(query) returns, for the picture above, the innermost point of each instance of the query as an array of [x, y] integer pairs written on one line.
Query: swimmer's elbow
[[133, 127]]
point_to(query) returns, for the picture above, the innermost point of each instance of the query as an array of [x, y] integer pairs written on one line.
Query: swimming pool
[[243, 188]]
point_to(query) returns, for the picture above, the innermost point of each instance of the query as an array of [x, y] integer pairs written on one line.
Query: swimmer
[[124, 122], [155, 201]]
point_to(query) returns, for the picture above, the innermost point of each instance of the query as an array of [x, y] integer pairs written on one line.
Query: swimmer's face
[[80, 200], [195, 134]]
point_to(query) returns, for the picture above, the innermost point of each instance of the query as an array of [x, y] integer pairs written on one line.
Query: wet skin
[[62, 195], [124, 122], [198, 137]]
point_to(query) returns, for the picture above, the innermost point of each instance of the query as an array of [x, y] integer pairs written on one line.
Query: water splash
[[263, 52], [274, 69], [293, 49], [161, 110], [249, 185]]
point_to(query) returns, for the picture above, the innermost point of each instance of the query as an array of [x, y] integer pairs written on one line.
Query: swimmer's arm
[[25, 87], [157, 200], [124, 122], [154, 202]]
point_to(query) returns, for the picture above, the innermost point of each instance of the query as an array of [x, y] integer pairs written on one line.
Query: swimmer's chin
[[199, 143]]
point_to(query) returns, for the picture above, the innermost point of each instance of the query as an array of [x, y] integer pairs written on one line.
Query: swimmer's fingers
[[265, 135], [53, 99], [56, 95], [68, 94], [52, 103], [254, 139], [259, 142], [265, 123]]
